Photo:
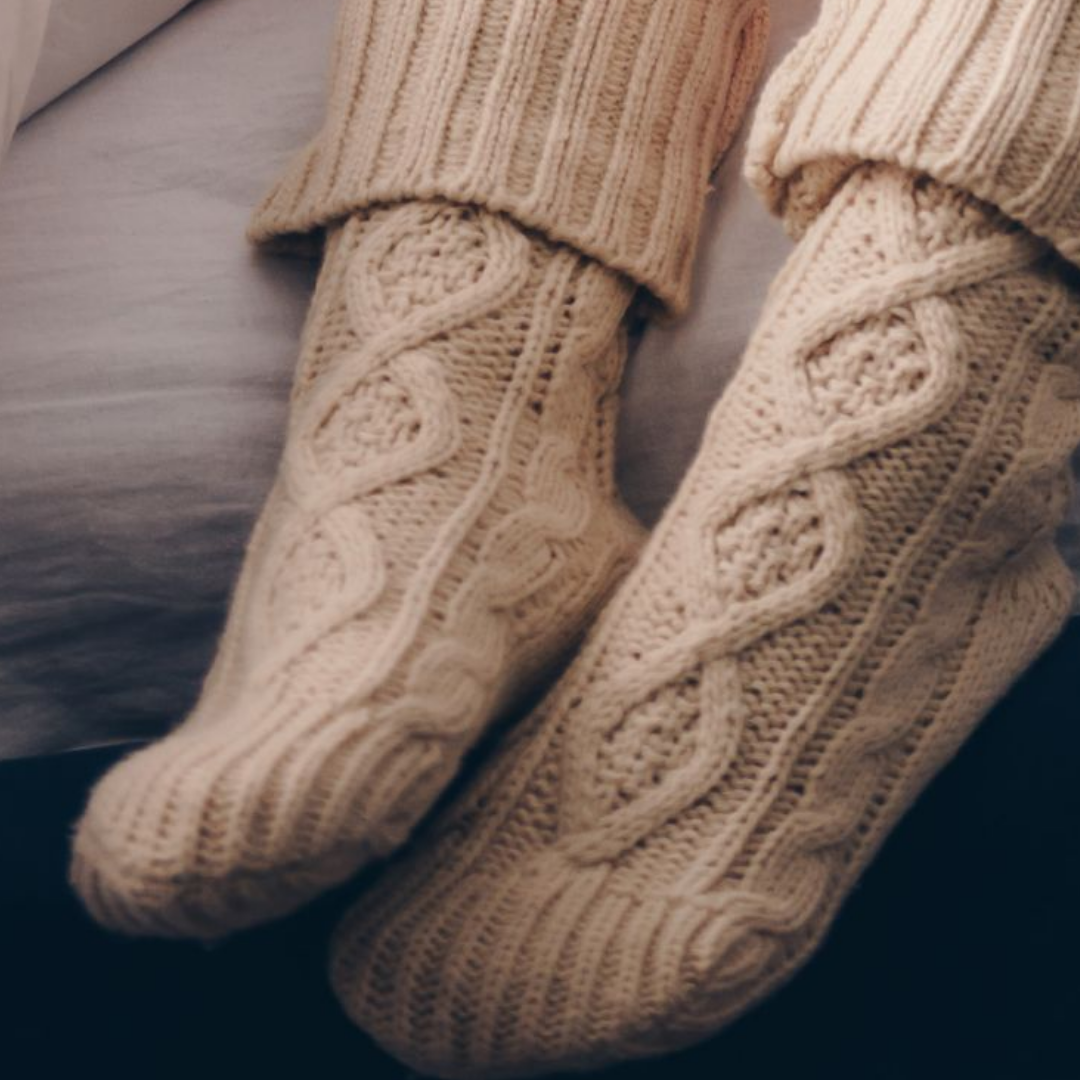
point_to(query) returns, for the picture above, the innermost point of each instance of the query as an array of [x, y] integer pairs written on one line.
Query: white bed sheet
[[145, 358], [83, 35], [22, 30], [146, 353]]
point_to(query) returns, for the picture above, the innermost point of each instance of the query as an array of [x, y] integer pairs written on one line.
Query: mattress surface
[[146, 354]]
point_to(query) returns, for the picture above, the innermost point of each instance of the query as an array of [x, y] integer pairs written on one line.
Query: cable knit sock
[[444, 520], [859, 562]]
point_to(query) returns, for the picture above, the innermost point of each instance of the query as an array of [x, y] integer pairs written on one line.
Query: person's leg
[[496, 180], [859, 562]]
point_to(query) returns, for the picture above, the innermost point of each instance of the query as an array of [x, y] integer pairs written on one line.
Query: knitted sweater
[[596, 122]]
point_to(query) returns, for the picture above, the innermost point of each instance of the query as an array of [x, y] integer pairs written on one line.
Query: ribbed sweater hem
[[983, 96], [595, 122]]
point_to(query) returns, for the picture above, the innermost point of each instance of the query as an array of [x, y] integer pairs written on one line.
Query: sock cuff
[[984, 96], [596, 122]]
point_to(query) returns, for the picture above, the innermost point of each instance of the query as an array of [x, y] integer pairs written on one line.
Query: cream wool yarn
[[596, 122], [443, 519], [858, 564], [985, 96], [497, 177]]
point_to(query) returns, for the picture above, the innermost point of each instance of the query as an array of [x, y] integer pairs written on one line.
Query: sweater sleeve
[[981, 95], [596, 122]]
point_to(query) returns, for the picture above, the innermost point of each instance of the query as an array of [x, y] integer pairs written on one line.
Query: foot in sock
[[442, 524], [858, 564]]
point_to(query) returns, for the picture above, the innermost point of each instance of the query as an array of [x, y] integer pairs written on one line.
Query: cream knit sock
[[858, 564], [444, 519]]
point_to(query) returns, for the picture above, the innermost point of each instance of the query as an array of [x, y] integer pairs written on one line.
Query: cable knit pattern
[[859, 562], [983, 95], [596, 122], [443, 520]]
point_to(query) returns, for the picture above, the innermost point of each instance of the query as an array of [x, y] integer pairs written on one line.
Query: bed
[[145, 362], [147, 351]]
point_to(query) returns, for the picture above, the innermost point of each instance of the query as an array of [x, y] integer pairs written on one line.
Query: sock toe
[[175, 847], [858, 563], [543, 968]]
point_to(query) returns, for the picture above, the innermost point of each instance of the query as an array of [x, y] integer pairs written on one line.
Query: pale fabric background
[[146, 355], [82, 35], [145, 359], [47, 46], [22, 30]]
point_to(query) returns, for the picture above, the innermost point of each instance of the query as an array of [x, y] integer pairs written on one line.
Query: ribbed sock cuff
[[983, 95], [596, 122]]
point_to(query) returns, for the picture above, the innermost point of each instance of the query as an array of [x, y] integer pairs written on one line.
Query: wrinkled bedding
[[146, 353], [22, 30], [80, 37]]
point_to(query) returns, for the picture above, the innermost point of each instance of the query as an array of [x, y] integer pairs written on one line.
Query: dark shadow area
[[957, 956]]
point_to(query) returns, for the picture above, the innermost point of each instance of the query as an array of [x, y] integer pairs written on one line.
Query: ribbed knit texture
[[596, 122], [982, 94], [859, 562], [444, 521]]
